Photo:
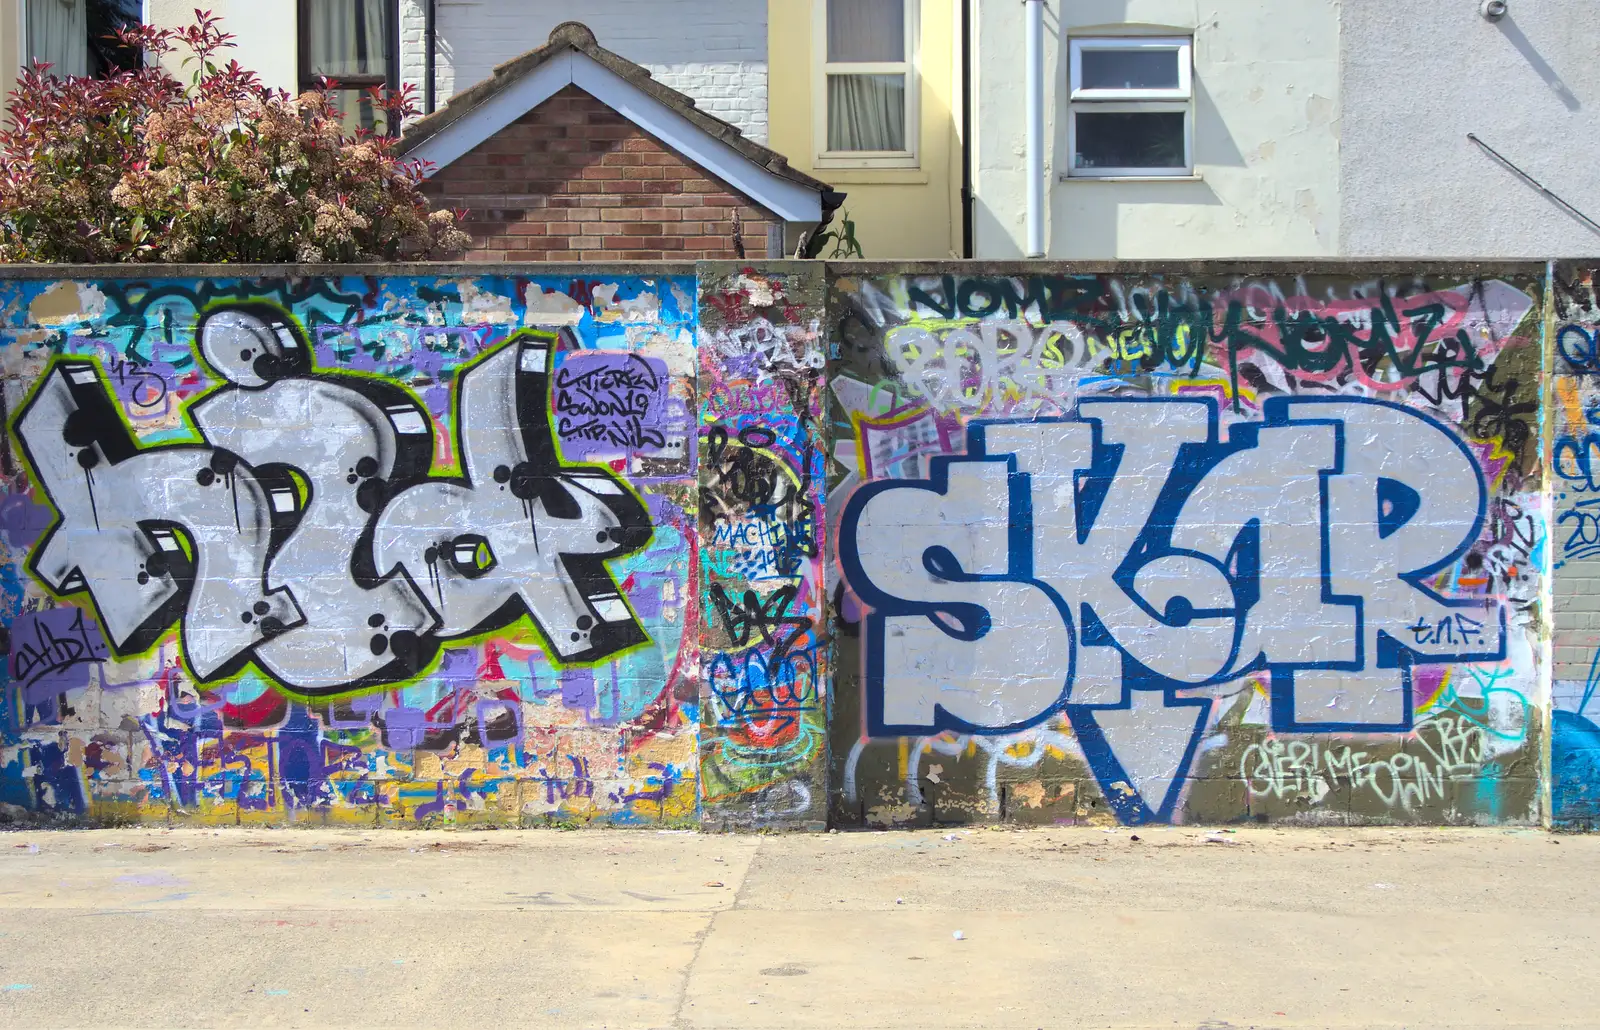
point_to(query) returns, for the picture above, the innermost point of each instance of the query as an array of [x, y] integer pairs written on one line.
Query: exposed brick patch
[[574, 180]]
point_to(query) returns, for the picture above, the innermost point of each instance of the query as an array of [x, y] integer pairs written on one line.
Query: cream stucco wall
[[1414, 184], [1266, 148], [265, 31], [10, 44], [899, 213]]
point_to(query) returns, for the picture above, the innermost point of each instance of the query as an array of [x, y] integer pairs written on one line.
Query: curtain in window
[[58, 33], [866, 112], [348, 37]]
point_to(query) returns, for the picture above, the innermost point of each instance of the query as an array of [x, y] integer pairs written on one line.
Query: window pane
[[1135, 139], [58, 34], [357, 111], [347, 37], [107, 55], [866, 30], [1128, 69], [866, 112]]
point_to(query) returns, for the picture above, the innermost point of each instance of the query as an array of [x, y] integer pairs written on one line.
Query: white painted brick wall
[[412, 49], [713, 50]]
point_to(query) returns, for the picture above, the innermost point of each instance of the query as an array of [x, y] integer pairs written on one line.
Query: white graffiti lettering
[[1098, 563], [306, 534]]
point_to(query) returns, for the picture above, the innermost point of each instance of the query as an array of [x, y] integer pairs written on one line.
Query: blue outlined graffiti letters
[[1101, 563]]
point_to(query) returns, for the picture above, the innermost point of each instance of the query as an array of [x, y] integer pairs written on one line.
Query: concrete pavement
[[603, 928]]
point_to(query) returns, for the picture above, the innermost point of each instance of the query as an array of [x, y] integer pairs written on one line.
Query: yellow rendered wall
[[10, 45], [899, 213]]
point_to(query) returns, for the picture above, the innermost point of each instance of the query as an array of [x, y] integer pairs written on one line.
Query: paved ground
[[1046, 928]]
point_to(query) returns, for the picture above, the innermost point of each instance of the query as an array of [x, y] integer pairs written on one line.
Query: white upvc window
[[1131, 107], [865, 95]]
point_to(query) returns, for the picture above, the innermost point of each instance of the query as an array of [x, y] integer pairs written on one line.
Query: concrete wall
[[411, 549], [1267, 108], [767, 647], [1574, 417], [1418, 76], [713, 50], [749, 545], [1151, 547]]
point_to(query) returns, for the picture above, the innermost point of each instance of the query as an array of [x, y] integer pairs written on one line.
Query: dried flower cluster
[[140, 167]]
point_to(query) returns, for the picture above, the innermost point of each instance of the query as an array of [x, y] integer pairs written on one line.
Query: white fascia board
[[461, 136], [788, 200]]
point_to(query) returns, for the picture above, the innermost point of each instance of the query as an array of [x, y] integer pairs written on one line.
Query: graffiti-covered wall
[[354, 548], [766, 656], [790, 544], [1574, 419], [1158, 547]]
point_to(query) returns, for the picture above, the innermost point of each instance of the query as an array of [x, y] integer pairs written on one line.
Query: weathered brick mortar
[[574, 180]]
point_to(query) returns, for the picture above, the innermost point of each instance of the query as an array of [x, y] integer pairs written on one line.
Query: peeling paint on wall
[[766, 646], [351, 549], [1574, 418], [1156, 549], [782, 544]]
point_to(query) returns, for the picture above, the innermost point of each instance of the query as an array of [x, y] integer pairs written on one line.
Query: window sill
[[1192, 177], [872, 176]]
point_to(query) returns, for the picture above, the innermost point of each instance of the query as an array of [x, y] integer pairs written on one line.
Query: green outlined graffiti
[[304, 529]]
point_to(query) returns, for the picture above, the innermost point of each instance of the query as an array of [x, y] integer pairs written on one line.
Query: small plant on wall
[[843, 239], [139, 166]]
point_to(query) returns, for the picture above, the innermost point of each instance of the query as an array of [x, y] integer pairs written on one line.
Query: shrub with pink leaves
[[139, 166]]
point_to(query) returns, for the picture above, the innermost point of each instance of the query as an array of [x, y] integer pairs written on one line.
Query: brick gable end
[[572, 180]]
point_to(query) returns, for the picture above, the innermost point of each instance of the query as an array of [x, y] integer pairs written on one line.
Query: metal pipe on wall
[[968, 248], [430, 54], [1035, 111]]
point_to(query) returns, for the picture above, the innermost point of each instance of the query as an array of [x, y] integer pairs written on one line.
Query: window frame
[[24, 40], [1179, 99], [822, 68], [307, 79]]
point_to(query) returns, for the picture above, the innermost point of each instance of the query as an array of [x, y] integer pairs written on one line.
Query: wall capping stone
[[1208, 266]]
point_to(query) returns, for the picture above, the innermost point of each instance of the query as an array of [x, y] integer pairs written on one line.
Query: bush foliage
[[139, 166]]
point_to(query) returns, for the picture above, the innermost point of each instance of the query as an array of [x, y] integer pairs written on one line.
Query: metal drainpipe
[[968, 248], [430, 52], [1035, 112]]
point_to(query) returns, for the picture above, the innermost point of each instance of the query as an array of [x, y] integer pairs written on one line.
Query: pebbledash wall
[[791, 544]]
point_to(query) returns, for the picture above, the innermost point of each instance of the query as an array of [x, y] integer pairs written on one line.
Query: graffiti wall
[[1166, 548], [375, 550], [1574, 418], [794, 544], [766, 658]]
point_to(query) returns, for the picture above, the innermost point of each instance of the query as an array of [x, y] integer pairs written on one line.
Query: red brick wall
[[573, 180]]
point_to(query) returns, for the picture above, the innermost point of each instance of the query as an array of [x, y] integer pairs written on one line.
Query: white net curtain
[[348, 38], [866, 110], [348, 41], [58, 34]]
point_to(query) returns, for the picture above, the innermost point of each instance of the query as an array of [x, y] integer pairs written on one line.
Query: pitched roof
[[572, 56]]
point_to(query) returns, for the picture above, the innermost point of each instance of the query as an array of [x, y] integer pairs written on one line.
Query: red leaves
[[138, 166], [147, 38]]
